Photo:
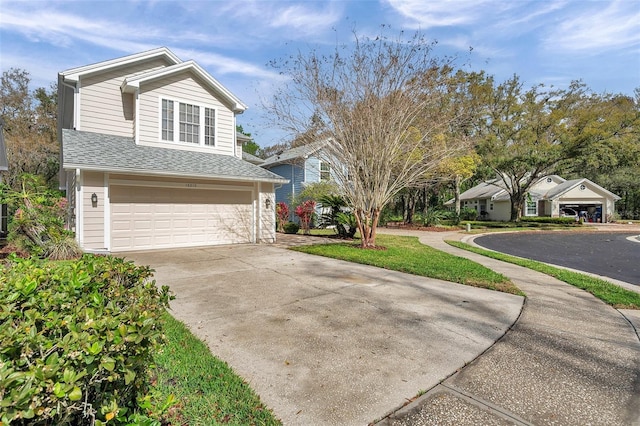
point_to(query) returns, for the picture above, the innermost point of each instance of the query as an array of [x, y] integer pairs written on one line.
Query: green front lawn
[[206, 389], [407, 254], [609, 293]]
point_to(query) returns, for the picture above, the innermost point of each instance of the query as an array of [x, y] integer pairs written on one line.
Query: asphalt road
[[602, 253]]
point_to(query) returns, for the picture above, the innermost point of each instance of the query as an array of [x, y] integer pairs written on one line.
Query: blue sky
[[543, 41]]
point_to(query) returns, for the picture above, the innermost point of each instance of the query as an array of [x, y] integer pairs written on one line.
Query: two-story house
[[150, 158]]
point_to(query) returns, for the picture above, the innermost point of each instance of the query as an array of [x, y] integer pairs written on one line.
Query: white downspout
[[258, 239], [79, 208]]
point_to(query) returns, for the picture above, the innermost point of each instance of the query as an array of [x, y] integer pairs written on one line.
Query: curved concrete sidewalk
[[327, 342], [569, 360]]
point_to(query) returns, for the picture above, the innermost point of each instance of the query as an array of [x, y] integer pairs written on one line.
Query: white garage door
[[151, 218]]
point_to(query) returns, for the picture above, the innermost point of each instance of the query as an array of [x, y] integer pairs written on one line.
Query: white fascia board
[[132, 171], [499, 193], [132, 83], [594, 187], [74, 74]]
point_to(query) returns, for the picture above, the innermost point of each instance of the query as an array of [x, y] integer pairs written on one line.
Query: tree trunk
[[517, 200], [411, 208], [457, 195], [367, 225]]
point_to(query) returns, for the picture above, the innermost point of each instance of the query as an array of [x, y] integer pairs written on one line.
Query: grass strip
[[407, 254], [206, 388], [614, 295]]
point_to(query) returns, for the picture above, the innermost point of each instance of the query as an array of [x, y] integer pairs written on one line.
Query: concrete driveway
[[327, 342]]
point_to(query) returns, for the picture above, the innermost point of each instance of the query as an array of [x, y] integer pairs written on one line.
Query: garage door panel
[[163, 209], [162, 224], [146, 218]]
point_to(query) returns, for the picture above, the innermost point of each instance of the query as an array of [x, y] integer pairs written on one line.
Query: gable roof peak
[[74, 74], [132, 83]]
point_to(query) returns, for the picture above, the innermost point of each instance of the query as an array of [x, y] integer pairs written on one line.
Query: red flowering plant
[[305, 212], [282, 215]]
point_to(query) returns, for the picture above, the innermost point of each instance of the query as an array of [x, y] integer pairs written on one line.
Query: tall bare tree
[[383, 105]]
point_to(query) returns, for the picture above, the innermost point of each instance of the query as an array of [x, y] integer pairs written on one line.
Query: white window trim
[[320, 163], [176, 122], [526, 209]]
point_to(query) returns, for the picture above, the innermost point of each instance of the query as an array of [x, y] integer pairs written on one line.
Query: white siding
[[93, 214], [103, 107], [183, 87], [543, 185], [268, 216], [501, 211], [577, 195]]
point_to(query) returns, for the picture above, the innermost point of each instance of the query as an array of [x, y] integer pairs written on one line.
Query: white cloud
[[427, 14], [596, 29], [222, 65], [302, 18]]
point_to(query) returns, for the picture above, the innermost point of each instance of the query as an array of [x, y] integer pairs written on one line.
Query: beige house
[[550, 196], [151, 159]]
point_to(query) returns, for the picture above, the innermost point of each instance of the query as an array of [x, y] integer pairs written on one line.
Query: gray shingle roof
[[294, 154], [97, 151], [486, 189], [251, 158]]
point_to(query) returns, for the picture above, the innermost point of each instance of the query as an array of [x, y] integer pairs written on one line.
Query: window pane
[[209, 126], [167, 120], [325, 171], [531, 208], [189, 123]]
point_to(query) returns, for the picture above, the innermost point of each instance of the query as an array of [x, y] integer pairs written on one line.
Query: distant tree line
[[410, 130]]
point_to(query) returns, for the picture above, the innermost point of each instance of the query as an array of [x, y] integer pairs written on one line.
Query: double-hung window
[[209, 126], [167, 120], [531, 208], [325, 171], [187, 123]]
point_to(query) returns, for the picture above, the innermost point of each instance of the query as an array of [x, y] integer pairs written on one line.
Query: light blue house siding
[[286, 192], [302, 166]]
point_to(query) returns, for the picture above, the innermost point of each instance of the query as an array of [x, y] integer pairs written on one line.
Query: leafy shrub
[[291, 228], [468, 213], [479, 224], [346, 225], [37, 226], [433, 217], [77, 340], [338, 216], [305, 212], [558, 220], [282, 215]]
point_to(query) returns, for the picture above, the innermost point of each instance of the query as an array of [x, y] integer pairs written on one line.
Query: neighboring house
[[242, 139], [549, 196], [4, 166], [150, 158], [300, 166], [252, 158]]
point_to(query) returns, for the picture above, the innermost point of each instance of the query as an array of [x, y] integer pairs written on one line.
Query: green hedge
[[530, 222], [77, 340], [291, 228], [557, 220]]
